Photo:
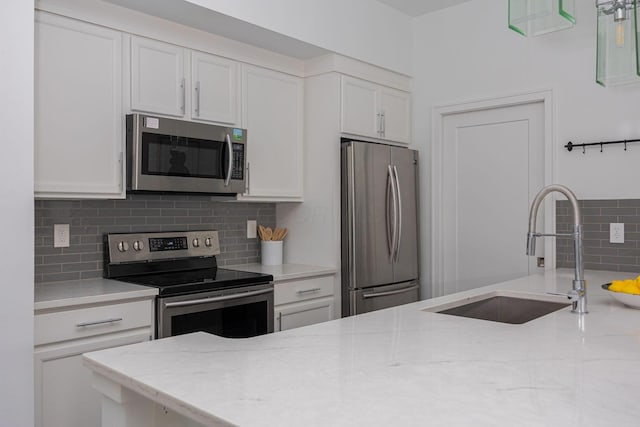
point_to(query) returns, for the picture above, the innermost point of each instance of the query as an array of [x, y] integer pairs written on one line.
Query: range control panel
[[131, 247]]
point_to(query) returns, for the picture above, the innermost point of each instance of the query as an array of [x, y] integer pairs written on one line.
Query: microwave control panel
[[237, 170]]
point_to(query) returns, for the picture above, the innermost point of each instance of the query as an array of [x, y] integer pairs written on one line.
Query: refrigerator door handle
[[399, 214], [393, 228]]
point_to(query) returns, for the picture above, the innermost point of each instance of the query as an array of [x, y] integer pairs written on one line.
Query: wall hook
[[570, 145]]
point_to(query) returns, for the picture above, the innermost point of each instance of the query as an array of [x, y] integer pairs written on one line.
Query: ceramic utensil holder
[[271, 252]]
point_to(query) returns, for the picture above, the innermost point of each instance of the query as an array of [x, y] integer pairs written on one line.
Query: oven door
[[231, 313]]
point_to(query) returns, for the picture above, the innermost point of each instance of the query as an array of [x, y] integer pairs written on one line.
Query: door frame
[[439, 113]]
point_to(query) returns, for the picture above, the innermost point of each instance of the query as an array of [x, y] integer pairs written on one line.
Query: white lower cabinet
[[64, 395], [306, 313], [303, 302]]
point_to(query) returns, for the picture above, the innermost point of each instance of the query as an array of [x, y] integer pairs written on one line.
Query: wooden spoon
[[268, 233]]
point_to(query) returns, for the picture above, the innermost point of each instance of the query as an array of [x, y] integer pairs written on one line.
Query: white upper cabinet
[[360, 114], [78, 109], [375, 111], [158, 82], [273, 116], [215, 93], [395, 110], [176, 81]]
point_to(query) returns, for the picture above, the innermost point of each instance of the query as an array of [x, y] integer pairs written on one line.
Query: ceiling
[[420, 7]]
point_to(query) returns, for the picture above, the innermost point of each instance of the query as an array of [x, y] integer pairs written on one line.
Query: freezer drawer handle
[[384, 294], [308, 291], [99, 322], [216, 299]]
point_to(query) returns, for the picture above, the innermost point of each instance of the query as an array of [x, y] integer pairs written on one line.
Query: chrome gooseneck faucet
[[578, 294]]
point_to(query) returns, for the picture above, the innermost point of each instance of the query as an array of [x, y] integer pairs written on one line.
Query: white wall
[[16, 188], [467, 53], [363, 29]]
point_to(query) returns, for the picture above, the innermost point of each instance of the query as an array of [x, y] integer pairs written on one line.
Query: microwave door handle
[[230, 167]]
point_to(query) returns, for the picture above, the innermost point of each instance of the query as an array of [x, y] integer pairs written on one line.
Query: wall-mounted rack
[[570, 145]]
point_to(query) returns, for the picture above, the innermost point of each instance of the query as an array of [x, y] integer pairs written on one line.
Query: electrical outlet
[[60, 235], [616, 233], [252, 226]]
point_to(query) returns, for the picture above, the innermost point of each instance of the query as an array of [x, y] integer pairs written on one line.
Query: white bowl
[[629, 300]]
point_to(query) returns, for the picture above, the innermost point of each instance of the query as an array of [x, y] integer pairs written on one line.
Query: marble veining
[[404, 366]]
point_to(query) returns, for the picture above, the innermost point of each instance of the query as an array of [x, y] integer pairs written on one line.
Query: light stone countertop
[[54, 295], [285, 271], [405, 367]]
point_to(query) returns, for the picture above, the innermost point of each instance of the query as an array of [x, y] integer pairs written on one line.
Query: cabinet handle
[[182, 86], [279, 320], [383, 125], [99, 322], [379, 123], [248, 181], [198, 98], [308, 291]]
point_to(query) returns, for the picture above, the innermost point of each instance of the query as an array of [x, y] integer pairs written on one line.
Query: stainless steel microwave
[[170, 155]]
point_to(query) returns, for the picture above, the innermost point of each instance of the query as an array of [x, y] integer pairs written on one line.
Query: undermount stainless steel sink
[[503, 306]]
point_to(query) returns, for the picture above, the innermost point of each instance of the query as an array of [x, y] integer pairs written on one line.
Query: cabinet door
[[360, 115], [64, 395], [158, 82], [215, 89], [395, 106], [78, 109], [272, 114], [305, 313]]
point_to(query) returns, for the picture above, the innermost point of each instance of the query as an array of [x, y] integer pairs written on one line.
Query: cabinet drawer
[[301, 290], [85, 322]]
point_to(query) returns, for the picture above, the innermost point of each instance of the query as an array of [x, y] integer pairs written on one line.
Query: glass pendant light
[[617, 48], [536, 17]]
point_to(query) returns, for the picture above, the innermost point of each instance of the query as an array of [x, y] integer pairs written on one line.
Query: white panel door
[[78, 109], [215, 89], [395, 105], [493, 165], [157, 77], [360, 109], [272, 114]]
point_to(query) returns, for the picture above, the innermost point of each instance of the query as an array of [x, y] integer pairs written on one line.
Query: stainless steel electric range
[[194, 294]]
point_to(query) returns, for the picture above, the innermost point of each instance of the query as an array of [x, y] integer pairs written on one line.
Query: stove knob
[[207, 242], [196, 242], [138, 245], [123, 246]]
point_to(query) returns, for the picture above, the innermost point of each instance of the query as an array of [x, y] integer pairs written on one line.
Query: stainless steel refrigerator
[[379, 224]]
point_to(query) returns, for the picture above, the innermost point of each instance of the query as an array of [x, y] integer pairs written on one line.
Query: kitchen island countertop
[[403, 367]]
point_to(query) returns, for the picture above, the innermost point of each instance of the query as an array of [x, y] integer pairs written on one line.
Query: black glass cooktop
[[201, 280]]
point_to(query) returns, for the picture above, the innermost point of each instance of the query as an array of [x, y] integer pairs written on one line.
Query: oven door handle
[[216, 299]]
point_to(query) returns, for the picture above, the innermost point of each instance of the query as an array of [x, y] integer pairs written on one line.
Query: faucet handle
[[572, 295]]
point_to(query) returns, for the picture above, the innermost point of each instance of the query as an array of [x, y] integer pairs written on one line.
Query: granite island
[[396, 367]]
